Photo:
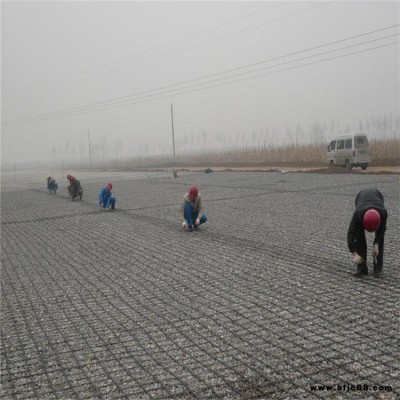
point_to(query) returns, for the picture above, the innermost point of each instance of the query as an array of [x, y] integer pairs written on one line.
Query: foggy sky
[[59, 58]]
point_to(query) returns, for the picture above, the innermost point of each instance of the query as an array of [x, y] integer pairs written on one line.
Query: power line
[[168, 94], [214, 39], [191, 46], [158, 96], [161, 91], [117, 99], [149, 50], [65, 113], [145, 95]]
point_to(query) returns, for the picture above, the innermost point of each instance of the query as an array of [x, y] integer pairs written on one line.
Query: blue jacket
[[105, 197]]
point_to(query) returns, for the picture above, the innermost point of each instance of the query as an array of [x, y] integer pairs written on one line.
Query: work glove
[[197, 223], [357, 259], [184, 225], [375, 250]]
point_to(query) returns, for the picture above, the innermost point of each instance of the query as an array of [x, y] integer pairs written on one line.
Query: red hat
[[193, 192], [371, 220], [109, 186]]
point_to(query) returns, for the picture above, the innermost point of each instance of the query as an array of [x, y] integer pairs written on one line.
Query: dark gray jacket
[[367, 198]]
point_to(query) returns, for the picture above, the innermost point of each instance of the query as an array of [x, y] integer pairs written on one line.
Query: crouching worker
[[51, 185], [105, 197], [192, 210], [370, 214], [74, 188]]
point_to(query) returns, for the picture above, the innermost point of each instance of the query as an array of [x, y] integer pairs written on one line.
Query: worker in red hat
[[192, 210], [106, 200], [370, 215], [74, 188]]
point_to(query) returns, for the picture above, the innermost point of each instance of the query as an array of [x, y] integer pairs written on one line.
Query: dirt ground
[[313, 170]]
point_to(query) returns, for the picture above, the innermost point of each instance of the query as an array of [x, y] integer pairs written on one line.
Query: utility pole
[[90, 153], [175, 174]]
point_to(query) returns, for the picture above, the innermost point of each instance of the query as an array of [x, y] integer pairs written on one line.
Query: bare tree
[[299, 134], [118, 146], [185, 142], [67, 146], [289, 136], [82, 151], [204, 136]]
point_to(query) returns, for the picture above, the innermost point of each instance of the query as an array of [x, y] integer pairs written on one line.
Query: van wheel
[[348, 164], [364, 167], [332, 164]]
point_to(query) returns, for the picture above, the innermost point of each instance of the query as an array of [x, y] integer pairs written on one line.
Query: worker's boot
[[377, 270], [362, 269]]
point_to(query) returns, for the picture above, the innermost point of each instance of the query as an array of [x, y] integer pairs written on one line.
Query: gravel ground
[[259, 303]]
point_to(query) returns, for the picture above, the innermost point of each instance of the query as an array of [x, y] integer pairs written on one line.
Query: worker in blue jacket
[[105, 197]]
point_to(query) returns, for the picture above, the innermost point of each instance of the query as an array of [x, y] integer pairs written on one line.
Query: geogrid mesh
[[259, 303]]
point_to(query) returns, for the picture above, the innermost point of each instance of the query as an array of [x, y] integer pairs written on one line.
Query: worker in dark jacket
[[52, 185], [371, 215], [74, 188]]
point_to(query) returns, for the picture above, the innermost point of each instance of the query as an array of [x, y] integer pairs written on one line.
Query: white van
[[350, 150]]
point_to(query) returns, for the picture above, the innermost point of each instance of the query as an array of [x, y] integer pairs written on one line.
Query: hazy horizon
[[237, 73]]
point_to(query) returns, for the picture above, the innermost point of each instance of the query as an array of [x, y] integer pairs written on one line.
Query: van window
[[360, 142], [340, 144], [348, 144], [332, 145]]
